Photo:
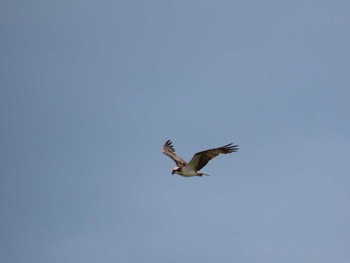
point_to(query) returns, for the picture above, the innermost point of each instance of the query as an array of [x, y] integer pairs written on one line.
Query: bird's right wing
[[169, 150], [200, 159]]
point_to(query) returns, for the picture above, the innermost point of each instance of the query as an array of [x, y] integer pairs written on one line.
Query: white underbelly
[[188, 172]]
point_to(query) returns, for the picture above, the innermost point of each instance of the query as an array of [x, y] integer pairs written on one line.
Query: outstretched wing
[[200, 159], [169, 150]]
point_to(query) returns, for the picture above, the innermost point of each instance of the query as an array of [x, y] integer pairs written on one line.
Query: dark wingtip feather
[[229, 148], [169, 144]]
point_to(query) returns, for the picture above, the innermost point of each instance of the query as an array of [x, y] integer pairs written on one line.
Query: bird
[[198, 161]]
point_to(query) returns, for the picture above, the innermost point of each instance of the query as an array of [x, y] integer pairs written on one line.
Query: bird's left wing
[[168, 149], [200, 159]]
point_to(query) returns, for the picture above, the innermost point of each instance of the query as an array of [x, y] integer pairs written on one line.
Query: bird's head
[[176, 170]]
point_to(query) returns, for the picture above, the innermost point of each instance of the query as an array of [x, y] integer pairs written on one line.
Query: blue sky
[[90, 91]]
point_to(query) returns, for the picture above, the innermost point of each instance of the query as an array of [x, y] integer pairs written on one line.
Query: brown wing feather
[[169, 150], [200, 159]]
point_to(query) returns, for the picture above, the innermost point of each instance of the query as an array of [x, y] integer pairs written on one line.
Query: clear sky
[[90, 91]]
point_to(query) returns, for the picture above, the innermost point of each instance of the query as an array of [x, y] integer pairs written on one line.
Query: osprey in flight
[[198, 161]]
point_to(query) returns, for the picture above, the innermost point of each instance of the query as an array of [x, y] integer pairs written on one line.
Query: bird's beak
[[172, 172]]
